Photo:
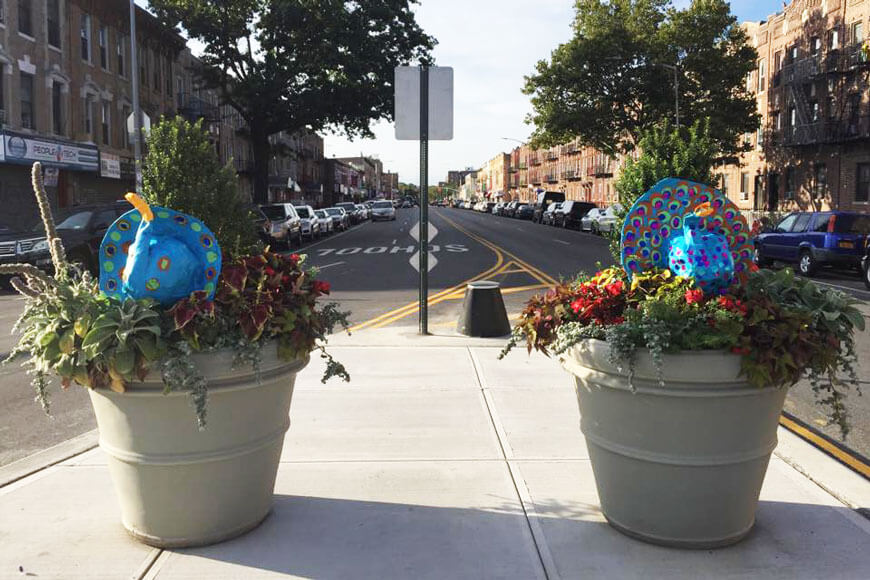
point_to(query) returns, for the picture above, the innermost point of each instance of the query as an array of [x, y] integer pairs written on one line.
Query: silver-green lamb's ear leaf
[[124, 360], [855, 317]]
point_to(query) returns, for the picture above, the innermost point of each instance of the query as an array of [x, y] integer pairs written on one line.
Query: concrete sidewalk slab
[[405, 367], [64, 523], [374, 521], [540, 423], [519, 369], [801, 533], [351, 425]]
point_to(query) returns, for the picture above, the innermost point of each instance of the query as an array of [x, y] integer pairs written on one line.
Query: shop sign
[[110, 165], [25, 150], [49, 176], [128, 168]]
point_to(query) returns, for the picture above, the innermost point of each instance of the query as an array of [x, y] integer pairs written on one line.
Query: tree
[[615, 78], [301, 65], [182, 171]]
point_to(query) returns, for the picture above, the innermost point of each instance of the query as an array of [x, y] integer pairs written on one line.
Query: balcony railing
[[602, 170], [552, 155], [820, 132], [551, 178], [534, 160], [193, 108], [524, 165]]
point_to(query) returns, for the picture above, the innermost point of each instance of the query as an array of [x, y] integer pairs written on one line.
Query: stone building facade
[[811, 84]]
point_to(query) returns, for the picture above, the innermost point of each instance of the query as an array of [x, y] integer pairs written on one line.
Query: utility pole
[[137, 111]]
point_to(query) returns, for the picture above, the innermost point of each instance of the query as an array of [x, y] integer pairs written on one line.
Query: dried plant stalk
[[55, 247]]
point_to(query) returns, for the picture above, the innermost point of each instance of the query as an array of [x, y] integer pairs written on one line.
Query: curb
[[47, 457]]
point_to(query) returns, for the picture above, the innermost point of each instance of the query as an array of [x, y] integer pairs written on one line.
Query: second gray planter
[[680, 465]]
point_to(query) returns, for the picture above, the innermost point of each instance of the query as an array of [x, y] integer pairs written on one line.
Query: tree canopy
[[301, 65], [614, 79]]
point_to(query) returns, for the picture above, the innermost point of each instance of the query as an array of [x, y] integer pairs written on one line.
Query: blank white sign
[[408, 103]]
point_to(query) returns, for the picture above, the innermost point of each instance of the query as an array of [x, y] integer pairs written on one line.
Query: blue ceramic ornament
[[159, 253], [663, 230], [701, 254]]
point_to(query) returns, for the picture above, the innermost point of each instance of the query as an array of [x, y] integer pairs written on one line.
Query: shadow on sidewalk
[[334, 538]]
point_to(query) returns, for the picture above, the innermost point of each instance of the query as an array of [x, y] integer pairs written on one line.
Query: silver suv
[[284, 225], [309, 222]]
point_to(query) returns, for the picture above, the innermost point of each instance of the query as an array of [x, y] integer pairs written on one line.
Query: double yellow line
[[457, 291]]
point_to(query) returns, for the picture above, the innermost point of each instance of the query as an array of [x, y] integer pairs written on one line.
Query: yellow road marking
[[826, 445], [542, 276], [458, 291]]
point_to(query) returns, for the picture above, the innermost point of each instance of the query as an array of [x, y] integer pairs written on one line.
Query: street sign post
[[424, 111]]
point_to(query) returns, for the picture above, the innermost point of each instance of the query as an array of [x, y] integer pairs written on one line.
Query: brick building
[[812, 150], [371, 169]]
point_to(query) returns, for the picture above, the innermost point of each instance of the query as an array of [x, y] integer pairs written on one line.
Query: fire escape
[[822, 94]]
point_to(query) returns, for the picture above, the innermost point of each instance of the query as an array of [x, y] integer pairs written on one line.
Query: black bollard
[[483, 312]]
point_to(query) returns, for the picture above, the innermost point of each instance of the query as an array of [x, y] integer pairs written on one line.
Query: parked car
[[548, 217], [571, 213], [498, 207], [608, 220], [285, 226], [524, 212], [308, 221], [510, 209], [591, 216], [383, 210], [325, 221], [340, 218], [351, 210], [362, 212], [545, 198], [865, 262], [815, 239], [81, 229]]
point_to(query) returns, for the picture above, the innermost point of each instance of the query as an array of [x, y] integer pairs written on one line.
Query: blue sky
[[490, 44]]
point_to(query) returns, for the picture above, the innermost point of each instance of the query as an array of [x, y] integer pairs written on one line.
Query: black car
[[865, 262], [545, 198], [524, 212], [81, 229], [569, 215]]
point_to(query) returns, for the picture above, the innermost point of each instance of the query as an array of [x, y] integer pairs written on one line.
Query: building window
[[27, 106], [122, 68], [86, 37], [154, 58], [759, 138], [25, 17], [833, 39], [89, 117], [794, 53], [744, 186], [815, 45], [761, 76], [777, 61], [105, 122], [789, 183], [777, 120], [856, 32], [103, 39], [820, 180], [125, 113], [862, 182], [725, 184], [57, 108], [814, 111], [168, 76], [52, 16]]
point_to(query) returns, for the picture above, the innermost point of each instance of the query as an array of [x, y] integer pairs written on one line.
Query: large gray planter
[[680, 465], [178, 486]]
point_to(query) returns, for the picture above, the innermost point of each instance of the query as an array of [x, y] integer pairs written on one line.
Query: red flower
[[294, 258], [740, 350], [577, 305], [614, 289], [321, 286], [269, 271], [694, 296]]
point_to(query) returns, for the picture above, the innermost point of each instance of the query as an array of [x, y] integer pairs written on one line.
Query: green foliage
[[611, 81], [182, 171], [783, 327], [665, 151], [301, 65]]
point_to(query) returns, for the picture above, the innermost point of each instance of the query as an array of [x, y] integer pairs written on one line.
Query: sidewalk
[[437, 461]]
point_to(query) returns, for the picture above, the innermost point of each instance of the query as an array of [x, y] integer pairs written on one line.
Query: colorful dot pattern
[[659, 215], [121, 235]]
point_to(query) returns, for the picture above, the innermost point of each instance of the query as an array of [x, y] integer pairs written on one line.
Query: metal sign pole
[[137, 111], [424, 199]]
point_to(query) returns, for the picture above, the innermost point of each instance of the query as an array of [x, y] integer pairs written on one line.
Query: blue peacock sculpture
[[159, 253], [690, 228]]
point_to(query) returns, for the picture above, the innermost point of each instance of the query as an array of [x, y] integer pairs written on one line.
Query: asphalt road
[[371, 270]]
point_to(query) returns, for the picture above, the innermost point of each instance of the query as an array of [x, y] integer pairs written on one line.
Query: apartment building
[[66, 93], [371, 169], [342, 181], [811, 84], [295, 169]]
